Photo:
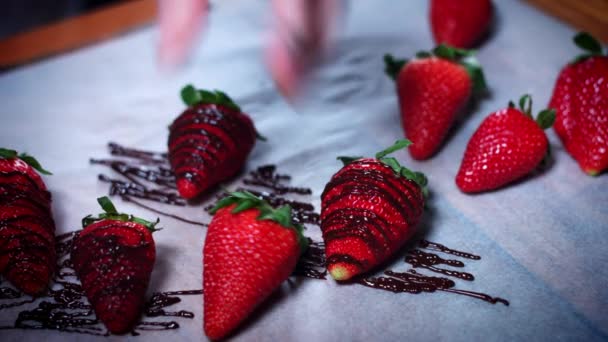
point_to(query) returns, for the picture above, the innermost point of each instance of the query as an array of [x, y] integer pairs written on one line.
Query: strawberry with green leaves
[[209, 142], [369, 209], [27, 229], [508, 145], [113, 257], [460, 23], [580, 99], [250, 249], [432, 89]]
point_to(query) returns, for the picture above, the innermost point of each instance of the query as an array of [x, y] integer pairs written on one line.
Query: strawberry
[[113, 257], [209, 142], [460, 23], [368, 211], [250, 249], [432, 89], [506, 146], [27, 229], [580, 99]]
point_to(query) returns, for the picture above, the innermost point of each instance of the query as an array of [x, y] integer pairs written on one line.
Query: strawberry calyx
[[110, 213], [282, 215], [589, 44], [31, 161], [545, 118], [192, 97], [402, 171], [466, 58]]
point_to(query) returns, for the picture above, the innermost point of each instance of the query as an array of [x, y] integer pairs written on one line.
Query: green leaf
[[475, 71], [588, 43], [107, 205], [190, 95], [31, 161], [244, 205], [8, 154], [393, 66], [444, 51], [423, 54], [399, 144], [224, 99], [150, 225], [525, 104], [451, 53], [87, 220], [244, 195], [224, 202], [347, 160], [112, 214], [546, 118], [392, 163], [260, 137]]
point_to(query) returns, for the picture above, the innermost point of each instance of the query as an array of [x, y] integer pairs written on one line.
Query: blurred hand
[[300, 35]]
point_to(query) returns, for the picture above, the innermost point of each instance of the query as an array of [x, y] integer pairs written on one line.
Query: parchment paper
[[542, 241]]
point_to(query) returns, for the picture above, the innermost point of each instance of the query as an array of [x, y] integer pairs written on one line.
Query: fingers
[[301, 34], [180, 22]]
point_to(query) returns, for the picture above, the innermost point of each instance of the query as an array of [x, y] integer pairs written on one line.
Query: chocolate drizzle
[[27, 249], [145, 175], [414, 282], [65, 307], [418, 258], [265, 176], [441, 248], [312, 263]]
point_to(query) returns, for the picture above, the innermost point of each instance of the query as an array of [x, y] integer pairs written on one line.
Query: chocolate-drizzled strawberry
[[368, 210], [113, 257], [27, 229], [209, 142]]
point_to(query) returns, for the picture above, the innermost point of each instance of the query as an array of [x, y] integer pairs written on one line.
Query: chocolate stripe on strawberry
[[113, 257], [209, 142], [368, 210], [27, 246]]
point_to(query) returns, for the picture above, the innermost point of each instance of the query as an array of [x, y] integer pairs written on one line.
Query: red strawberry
[[368, 210], [27, 230], [460, 23], [507, 145], [113, 257], [432, 89], [250, 249], [209, 142], [580, 99]]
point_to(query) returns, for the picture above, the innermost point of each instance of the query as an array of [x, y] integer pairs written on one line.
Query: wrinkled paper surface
[[542, 241]]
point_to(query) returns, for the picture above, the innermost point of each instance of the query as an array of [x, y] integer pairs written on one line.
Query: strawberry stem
[[110, 213], [192, 96], [392, 66], [245, 200], [31, 161], [545, 118]]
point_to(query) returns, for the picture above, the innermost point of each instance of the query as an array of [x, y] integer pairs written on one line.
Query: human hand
[[300, 35]]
